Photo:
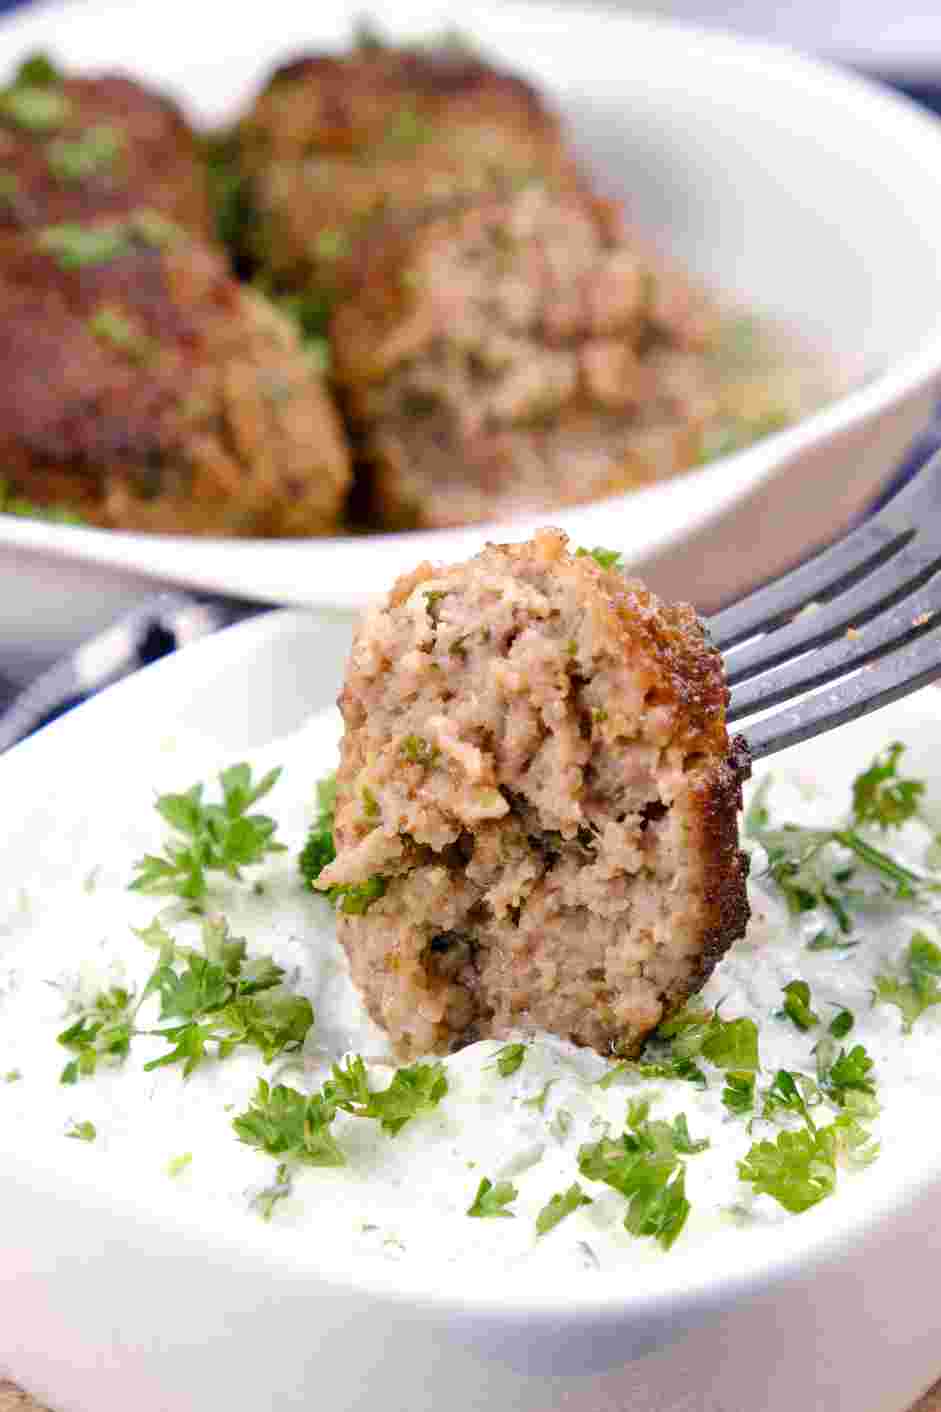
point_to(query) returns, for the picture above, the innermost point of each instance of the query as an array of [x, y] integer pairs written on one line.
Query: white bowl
[[123, 1297], [812, 194]]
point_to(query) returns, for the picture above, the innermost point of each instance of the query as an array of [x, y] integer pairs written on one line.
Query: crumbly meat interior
[[519, 355], [535, 763]]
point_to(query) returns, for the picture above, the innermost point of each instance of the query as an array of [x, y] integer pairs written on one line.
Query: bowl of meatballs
[[287, 311]]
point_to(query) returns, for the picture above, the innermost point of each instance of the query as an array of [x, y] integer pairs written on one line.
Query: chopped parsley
[[841, 1024], [562, 1204], [418, 750], [413, 1090], [819, 868], [693, 1033], [881, 796], [919, 986], [221, 837], [799, 1169], [83, 1131], [605, 558], [12, 1076], [221, 999], [645, 1165], [320, 850], [797, 1005], [12, 504], [508, 1059], [291, 1125], [111, 326], [94, 151], [38, 108], [493, 1199], [179, 1164], [738, 1095], [265, 1200], [73, 246]]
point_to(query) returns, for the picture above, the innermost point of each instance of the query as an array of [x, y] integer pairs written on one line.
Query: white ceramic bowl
[[123, 1298], [811, 193]]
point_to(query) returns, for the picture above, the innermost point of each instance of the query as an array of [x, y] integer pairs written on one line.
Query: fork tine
[[878, 685], [908, 619], [901, 575], [833, 569], [836, 569]]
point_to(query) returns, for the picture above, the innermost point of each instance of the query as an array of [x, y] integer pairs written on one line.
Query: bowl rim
[[673, 1289], [272, 569]]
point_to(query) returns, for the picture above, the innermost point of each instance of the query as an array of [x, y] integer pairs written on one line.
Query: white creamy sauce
[[405, 1197]]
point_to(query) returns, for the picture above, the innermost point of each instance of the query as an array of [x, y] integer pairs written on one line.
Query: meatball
[[537, 800], [518, 355], [335, 145], [73, 148], [144, 389]]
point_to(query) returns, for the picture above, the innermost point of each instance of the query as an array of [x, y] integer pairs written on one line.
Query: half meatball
[[537, 802]]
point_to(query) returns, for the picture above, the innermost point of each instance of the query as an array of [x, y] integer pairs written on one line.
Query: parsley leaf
[[83, 1132], [265, 1200], [211, 837], [492, 1200], [508, 1059], [920, 988], [320, 850], [738, 1095], [644, 1166], [849, 1073], [95, 150], [799, 1168], [562, 1204], [605, 558], [797, 1005], [881, 796], [791, 1094], [290, 1125], [413, 1090], [103, 1030]]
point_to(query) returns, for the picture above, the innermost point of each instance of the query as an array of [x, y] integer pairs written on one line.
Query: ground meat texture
[[520, 355], [75, 148], [536, 769], [336, 145], [144, 389]]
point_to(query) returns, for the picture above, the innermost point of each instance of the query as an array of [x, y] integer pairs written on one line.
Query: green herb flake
[[538, 1100], [177, 1165], [738, 1095], [841, 1024], [222, 837], [419, 751], [508, 1059], [919, 987], [38, 71], [73, 246], [881, 796], [319, 850], [413, 1090], [493, 1199], [797, 1005], [35, 107], [290, 1125], [265, 1200], [604, 558], [83, 1131], [799, 1169], [111, 326], [562, 1204], [74, 160], [12, 1076], [332, 245], [13, 504]]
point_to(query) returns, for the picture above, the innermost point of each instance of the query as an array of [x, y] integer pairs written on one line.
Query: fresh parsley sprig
[[222, 999], [413, 1090], [221, 838]]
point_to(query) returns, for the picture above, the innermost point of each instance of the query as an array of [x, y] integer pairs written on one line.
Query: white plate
[[127, 1297], [808, 192]]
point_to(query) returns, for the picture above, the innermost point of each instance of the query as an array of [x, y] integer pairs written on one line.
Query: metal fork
[[863, 615]]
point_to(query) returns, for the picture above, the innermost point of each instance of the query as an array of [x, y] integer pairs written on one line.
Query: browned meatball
[[536, 822], [338, 144], [145, 389], [73, 148], [520, 355]]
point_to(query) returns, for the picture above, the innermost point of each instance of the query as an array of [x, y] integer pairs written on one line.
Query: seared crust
[[119, 146], [518, 355], [146, 390], [338, 145], [535, 763]]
